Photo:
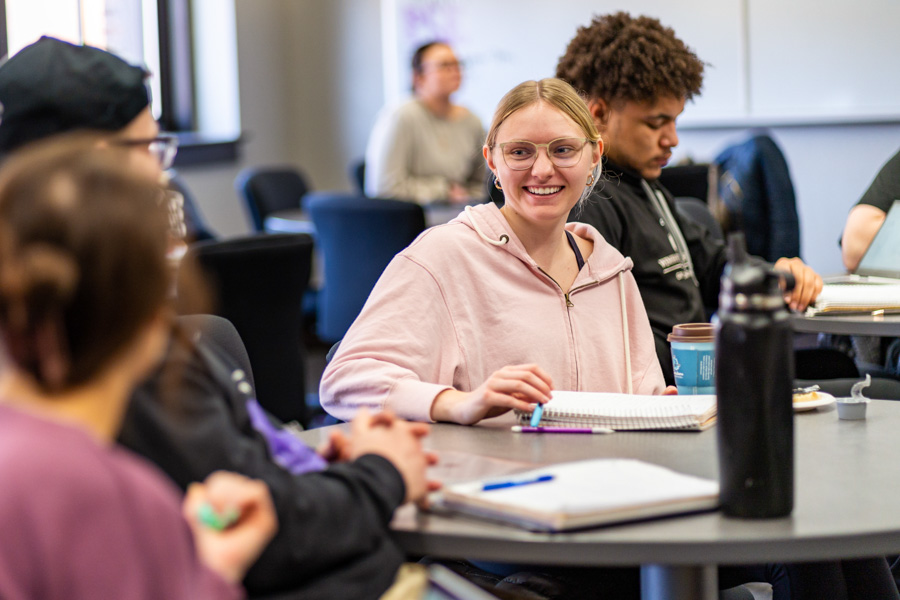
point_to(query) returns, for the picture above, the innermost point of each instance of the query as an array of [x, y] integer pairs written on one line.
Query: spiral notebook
[[856, 298], [627, 411], [581, 494]]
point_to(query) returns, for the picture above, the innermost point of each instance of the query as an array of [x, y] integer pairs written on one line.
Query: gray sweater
[[415, 155]]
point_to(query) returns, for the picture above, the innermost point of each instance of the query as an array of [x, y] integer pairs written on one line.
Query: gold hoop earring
[[590, 181], [497, 184]]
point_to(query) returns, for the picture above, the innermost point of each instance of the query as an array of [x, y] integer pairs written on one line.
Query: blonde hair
[[555, 92], [558, 94]]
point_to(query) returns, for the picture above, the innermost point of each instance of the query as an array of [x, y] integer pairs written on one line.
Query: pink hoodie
[[460, 303]]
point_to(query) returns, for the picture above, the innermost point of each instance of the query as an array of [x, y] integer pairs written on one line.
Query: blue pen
[[537, 415], [508, 484]]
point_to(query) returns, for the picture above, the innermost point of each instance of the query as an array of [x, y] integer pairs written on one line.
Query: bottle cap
[[750, 284]]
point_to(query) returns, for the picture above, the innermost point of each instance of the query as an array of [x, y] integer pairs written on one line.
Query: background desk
[[845, 502], [297, 220], [885, 325]]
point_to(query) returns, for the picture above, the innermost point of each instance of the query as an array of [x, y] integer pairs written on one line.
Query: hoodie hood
[[486, 220]]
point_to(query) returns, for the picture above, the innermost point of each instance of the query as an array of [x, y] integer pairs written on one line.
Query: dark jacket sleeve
[[333, 537]]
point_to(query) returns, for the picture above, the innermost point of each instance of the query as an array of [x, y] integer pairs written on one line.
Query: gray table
[[883, 325], [845, 503]]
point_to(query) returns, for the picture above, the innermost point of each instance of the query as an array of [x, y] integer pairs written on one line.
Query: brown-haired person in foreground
[[636, 77], [84, 316]]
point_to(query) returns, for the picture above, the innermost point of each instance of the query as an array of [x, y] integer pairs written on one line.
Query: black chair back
[[222, 333], [358, 237], [259, 282], [265, 190], [689, 180], [697, 211]]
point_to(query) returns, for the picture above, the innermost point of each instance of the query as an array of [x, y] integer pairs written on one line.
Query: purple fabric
[[287, 449]]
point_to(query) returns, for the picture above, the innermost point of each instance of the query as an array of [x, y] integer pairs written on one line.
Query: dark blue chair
[[358, 176], [358, 237], [756, 187], [265, 190], [258, 283]]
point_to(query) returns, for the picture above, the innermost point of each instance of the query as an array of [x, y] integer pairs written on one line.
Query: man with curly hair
[[636, 76]]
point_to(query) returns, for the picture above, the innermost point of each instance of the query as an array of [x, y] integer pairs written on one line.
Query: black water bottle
[[754, 377]]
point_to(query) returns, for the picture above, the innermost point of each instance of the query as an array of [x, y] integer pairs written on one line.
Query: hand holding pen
[[512, 387]]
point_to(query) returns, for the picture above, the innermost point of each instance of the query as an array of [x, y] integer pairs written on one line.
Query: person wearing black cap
[[53, 87], [333, 539]]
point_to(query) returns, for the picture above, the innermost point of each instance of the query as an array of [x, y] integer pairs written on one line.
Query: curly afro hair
[[622, 58]]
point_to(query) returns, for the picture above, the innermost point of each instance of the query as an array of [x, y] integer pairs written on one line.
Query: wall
[[311, 85], [261, 62], [831, 167]]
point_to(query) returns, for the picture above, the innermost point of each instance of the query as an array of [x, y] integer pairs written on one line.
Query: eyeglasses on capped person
[[163, 148], [563, 152]]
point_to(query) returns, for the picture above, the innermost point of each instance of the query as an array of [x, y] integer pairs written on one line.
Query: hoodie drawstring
[[503, 238], [629, 385]]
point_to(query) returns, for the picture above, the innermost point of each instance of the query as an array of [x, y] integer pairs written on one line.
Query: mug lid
[[692, 332]]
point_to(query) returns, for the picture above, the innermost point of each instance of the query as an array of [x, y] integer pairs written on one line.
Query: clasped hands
[[398, 441]]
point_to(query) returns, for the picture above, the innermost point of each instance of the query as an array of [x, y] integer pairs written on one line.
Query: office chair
[[259, 282], [265, 190], [358, 237], [358, 176], [689, 180], [755, 185], [222, 333], [696, 210]]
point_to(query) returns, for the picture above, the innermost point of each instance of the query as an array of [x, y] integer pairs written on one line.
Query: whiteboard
[[820, 60], [768, 61]]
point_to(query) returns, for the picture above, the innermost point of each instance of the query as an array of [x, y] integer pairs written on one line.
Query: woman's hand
[[514, 386], [670, 390], [231, 551]]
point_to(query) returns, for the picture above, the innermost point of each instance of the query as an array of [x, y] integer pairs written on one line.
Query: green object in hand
[[211, 518]]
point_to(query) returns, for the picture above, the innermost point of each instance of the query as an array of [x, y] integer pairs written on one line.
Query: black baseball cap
[[52, 87]]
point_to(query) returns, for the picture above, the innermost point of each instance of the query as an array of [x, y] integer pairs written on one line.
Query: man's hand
[[808, 283]]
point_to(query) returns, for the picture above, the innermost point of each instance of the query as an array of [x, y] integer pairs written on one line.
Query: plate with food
[[810, 398]]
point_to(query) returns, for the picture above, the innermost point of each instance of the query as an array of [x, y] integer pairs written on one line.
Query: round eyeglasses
[[563, 152]]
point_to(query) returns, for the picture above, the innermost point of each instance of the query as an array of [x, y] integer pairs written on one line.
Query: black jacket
[[333, 538], [629, 220]]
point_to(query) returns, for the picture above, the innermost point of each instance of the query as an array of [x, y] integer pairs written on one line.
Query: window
[[188, 46]]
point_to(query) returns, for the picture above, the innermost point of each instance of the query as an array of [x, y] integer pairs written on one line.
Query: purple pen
[[525, 429]]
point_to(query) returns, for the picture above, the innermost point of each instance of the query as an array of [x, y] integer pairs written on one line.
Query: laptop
[[881, 262]]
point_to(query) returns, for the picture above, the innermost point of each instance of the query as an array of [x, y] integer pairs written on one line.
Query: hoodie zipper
[[569, 305]]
